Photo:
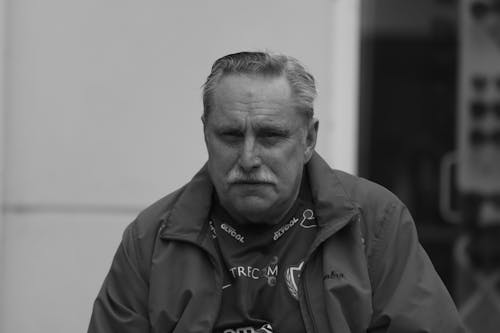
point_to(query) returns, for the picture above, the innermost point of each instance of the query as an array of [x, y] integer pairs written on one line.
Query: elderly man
[[266, 237]]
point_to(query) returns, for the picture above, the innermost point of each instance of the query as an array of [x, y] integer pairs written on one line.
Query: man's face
[[257, 145]]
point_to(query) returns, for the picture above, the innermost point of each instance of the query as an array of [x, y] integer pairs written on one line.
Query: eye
[[231, 136], [274, 134], [272, 137]]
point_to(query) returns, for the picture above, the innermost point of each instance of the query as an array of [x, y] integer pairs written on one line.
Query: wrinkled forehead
[[241, 123], [248, 88]]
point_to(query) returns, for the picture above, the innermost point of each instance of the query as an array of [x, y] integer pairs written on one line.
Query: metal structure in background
[[477, 251]]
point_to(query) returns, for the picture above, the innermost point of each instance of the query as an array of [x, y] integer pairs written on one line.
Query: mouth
[[250, 182]]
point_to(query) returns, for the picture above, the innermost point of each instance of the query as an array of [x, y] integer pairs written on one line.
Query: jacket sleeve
[[121, 305], [408, 295]]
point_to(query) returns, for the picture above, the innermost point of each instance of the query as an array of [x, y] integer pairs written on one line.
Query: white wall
[[2, 143], [341, 115], [102, 107]]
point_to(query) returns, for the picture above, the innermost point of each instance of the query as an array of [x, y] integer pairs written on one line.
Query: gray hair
[[265, 64]]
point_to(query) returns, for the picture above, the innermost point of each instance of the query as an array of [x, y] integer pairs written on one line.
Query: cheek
[[288, 165], [220, 158], [289, 158]]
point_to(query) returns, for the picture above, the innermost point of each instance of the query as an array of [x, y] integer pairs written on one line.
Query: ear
[[311, 136], [204, 122]]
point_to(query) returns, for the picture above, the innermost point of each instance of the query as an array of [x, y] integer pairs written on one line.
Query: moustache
[[238, 176]]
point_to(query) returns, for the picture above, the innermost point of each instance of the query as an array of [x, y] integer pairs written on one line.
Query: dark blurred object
[[480, 9], [487, 15], [483, 231], [478, 109], [477, 254], [478, 137], [479, 83], [408, 110], [477, 251]]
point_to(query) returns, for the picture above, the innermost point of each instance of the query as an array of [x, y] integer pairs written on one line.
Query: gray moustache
[[243, 178]]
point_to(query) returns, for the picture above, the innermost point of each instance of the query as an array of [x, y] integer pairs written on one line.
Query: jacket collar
[[189, 214], [332, 203]]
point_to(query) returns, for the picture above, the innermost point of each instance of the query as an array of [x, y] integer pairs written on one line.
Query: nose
[[249, 156]]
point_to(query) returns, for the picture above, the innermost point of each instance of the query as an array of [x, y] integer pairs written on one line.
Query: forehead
[[268, 99], [250, 86]]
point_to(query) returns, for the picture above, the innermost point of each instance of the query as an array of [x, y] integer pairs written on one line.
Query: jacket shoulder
[[149, 219], [140, 236], [375, 203], [363, 192]]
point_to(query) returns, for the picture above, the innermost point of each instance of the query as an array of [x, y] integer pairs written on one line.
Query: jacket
[[365, 271]]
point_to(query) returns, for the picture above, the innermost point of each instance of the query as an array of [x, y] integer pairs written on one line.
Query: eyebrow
[[272, 126], [280, 128], [272, 129], [221, 128]]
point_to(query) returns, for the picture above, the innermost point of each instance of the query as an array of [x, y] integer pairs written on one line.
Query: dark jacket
[[366, 270]]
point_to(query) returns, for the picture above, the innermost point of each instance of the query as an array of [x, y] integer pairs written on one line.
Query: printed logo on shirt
[[212, 229], [268, 272], [232, 232], [292, 277], [248, 329], [307, 221], [281, 231], [333, 275], [265, 329]]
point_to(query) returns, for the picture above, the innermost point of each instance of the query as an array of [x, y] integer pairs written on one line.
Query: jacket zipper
[[218, 269], [302, 280], [307, 302]]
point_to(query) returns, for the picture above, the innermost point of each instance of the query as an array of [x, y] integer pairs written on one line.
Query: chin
[[253, 205], [254, 209]]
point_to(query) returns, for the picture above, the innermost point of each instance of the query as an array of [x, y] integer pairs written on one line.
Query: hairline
[[298, 106]]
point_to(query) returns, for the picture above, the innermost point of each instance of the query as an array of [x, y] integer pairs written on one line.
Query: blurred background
[[100, 116]]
